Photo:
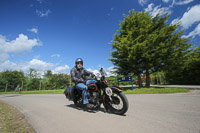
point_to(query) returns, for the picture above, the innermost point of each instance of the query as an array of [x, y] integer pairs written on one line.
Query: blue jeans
[[84, 88]]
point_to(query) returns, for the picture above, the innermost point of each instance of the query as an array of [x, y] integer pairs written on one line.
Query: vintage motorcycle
[[112, 97]]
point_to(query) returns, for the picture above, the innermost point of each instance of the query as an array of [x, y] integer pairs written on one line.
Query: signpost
[[125, 79]]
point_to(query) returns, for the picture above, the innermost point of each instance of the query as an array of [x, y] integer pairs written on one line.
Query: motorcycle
[[112, 97]]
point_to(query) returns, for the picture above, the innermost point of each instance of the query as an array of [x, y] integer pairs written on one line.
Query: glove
[[82, 80], [92, 75]]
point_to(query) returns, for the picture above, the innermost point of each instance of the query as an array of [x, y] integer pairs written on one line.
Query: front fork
[[105, 101]]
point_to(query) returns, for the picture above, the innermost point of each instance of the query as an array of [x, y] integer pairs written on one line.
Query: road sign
[[125, 79]]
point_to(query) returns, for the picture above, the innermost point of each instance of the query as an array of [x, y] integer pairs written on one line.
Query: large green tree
[[185, 71], [9, 80], [55, 81], [146, 44]]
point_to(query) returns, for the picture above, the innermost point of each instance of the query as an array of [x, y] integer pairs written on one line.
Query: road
[[194, 87], [148, 113]]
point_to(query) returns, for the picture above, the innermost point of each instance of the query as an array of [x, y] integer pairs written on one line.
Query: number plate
[[109, 91]]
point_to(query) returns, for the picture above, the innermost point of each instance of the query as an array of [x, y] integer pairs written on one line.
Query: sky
[[51, 34]]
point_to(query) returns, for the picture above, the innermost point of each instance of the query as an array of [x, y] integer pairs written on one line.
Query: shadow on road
[[91, 110], [10, 95], [86, 109]]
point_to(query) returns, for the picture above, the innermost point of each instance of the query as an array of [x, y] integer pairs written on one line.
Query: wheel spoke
[[118, 105]]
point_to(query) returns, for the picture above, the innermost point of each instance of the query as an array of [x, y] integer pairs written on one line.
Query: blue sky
[[51, 34]]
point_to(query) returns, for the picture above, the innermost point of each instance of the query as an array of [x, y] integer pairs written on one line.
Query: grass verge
[[153, 90], [13, 121], [126, 90]]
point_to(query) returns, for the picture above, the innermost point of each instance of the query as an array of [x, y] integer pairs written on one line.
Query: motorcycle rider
[[78, 74]]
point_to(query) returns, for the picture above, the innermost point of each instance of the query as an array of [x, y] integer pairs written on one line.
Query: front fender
[[116, 88]]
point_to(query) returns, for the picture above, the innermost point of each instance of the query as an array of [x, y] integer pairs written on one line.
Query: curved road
[[152, 113]]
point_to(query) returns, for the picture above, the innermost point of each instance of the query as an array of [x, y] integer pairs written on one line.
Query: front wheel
[[118, 103]]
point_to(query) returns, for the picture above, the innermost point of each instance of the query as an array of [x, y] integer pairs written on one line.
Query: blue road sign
[[125, 79]]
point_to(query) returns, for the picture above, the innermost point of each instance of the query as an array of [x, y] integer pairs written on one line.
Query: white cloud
[[55, 55], [3, 56], [61, 69], [37, 57], [180, 2], [166, 1], [25, 66], [94, 71], [183, 2], [43, 13], [142, 2], [21, 44], [107, 70], [195, 32], [34, 30], [40, 1], [175, 21], [8, 65], [190, 17], [154, 10], [150, 7], [39, 65]]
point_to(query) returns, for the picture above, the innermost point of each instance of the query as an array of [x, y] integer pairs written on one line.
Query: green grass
[[126, 90], [13, 121]]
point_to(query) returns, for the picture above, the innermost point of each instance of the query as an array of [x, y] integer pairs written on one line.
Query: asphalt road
[[193, 87], [148, 113]]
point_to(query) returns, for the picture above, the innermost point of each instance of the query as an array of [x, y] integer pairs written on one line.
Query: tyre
[[118, 103]]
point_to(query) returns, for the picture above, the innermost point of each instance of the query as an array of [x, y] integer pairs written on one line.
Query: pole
[[6, 86], [132, 84], [40, 84], [22, 84]]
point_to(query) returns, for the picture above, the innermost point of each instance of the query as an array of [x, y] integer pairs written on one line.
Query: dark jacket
[[79, 75]]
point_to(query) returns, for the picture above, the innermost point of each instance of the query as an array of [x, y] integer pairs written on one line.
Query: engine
[[93, 97]]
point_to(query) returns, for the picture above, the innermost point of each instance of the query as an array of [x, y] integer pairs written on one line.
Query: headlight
[[98, 76]]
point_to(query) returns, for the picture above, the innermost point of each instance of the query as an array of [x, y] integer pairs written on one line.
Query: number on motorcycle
[[109, 91]]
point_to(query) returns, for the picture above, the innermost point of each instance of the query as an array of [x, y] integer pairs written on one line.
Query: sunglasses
[[79, 63]]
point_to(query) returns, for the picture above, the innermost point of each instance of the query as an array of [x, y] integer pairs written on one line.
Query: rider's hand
[[82, 80], [92, 75]]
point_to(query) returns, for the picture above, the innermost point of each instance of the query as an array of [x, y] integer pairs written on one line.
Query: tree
[[146, 44], [185, 71], [33, 74], [48, 74], [33, 81], [56, 81], [10, 80]]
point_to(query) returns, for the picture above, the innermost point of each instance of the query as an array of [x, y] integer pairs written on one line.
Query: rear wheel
[[118, 103]]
